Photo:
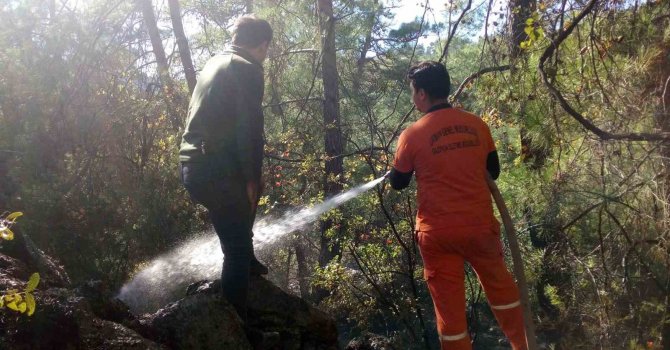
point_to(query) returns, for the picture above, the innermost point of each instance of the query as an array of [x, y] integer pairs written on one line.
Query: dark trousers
[[230, 211]]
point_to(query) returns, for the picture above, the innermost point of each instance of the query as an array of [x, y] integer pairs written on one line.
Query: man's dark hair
[[432, 77], [250, 31]]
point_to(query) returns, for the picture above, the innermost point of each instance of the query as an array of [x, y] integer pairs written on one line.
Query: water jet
[[161, 281]]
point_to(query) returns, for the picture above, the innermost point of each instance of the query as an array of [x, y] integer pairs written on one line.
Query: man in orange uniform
[[451, 151]]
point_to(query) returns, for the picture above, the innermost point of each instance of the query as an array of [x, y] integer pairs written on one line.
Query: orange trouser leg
[[444, 273], [501, 290]]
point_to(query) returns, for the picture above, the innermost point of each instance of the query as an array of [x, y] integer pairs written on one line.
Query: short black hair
[[432, 77], [250, 31]]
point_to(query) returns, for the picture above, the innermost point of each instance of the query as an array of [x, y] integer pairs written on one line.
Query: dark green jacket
[[225, 117]]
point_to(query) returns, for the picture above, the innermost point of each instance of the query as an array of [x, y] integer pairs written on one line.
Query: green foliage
[[533, 30], [92, 139], [23, 302], [7, 222]]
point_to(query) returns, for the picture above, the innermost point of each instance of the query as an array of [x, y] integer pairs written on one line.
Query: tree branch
[[363, 151], [343, 155], [476, 75], [666, 95], [293, 101], [453, 30], [290, 52], [587, 124], [276, 157]]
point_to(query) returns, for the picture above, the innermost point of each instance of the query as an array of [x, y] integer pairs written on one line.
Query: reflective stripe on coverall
[[444, 253]]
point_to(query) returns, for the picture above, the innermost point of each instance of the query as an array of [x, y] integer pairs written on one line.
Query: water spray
[[200, 258]]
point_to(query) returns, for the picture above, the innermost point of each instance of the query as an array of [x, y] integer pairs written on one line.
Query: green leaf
[[13, 216], [30, 301], [22, 307], [12, 306], [2, 301], [7, 234], [528, 30], [33, 282], [529, 21]]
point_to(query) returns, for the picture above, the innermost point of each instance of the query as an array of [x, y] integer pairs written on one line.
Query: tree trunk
[[285, 284], [332, 182], [156, 42], [303, 271], [664, 122], [520, 11], [182, 43], [161, 60], [362, 57], [5, 187]]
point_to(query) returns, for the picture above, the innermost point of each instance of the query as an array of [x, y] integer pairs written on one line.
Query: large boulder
[[13, 273], [300, 325], [64, 320], [23, 249], [201, 320], [90, 317], [104, 303], [82, 318]]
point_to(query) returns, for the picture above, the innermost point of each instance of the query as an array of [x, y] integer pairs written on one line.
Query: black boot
[[256, 268]]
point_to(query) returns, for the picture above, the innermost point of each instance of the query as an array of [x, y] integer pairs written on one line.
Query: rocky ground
[[89, 317]]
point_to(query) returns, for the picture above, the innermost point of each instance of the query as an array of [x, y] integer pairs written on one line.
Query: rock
[[199, 321], [53, 325], [300, 325], [23, 249], [103, 303], [89, 317], [64, 320], [107, 335], [370, 341], [203, 286], [13, 273]]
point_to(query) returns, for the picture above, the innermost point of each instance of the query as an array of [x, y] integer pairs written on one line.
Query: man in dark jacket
[[221, 151]]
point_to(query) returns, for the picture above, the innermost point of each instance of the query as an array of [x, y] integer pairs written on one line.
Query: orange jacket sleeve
[[404, 156]]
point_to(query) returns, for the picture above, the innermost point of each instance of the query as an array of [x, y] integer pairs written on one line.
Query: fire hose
[[517, 261]]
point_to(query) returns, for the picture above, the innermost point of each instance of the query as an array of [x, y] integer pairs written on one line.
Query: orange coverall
[[447, 149]]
